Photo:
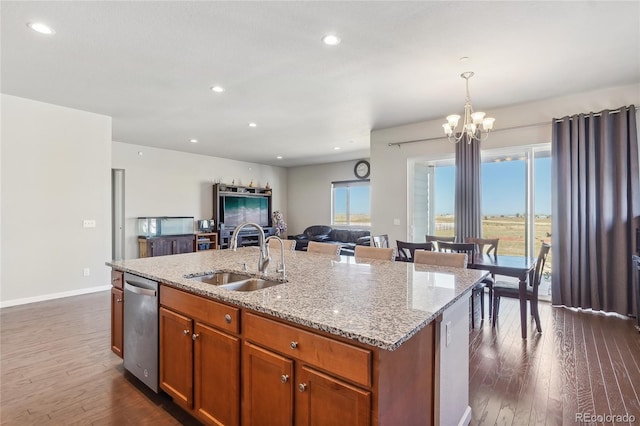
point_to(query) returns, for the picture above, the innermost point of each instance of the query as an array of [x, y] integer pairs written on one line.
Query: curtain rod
[[597, 114], [398, 144], [557, 120]]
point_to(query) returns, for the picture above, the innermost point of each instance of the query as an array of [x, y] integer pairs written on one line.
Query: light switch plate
[[86, 272], [88, 223], [396, 221]]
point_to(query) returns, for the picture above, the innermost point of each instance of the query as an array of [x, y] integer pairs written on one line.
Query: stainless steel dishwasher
[[141, 329]]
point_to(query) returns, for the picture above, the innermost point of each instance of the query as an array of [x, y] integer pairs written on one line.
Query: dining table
[[521, 267]]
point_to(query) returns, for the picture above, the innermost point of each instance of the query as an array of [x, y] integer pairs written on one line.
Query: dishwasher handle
[[139, 290]]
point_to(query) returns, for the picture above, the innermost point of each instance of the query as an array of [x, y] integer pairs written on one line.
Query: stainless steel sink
[[221, 278], [235, 281], [250, 284]]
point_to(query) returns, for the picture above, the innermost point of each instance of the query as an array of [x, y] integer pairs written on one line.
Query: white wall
[[454, 352], [389, 178], [161, 182], [310, 193], [55, 173]]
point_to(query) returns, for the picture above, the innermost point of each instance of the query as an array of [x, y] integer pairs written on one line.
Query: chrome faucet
[[281, 269], [264, 259]]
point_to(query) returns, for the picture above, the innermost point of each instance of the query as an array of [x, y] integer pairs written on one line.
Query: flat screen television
[[239, 209]]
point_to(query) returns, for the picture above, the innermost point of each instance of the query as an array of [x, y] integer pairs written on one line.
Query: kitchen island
[[354, 340]]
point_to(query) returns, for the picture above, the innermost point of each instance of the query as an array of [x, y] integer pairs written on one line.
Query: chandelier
[[475, 126]]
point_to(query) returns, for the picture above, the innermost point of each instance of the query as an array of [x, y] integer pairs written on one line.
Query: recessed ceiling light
[[252, 124], [336, 148], [140, 153], [41, 28], [279, 157], [217, 89], [193, 140], [331, 40]]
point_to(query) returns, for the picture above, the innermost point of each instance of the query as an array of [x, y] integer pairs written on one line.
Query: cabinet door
[[217, 376], [183, 245], [267, 391], [325, 400], [176, 357], [117, 278], [161, 247], [117, 309]]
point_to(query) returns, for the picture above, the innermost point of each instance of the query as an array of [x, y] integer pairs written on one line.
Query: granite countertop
[[376, 302]]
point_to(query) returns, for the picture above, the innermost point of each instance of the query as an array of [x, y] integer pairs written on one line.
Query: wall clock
[[362, 169]]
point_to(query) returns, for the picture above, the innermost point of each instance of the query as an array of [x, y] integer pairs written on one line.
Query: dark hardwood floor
[[56, 368], [583, 362]]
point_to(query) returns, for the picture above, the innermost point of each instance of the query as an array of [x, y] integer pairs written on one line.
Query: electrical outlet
[[447, 333], [88, 223], [396, 222], [86, 272]]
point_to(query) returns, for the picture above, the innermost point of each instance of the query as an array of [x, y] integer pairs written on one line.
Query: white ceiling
[[150, 65]]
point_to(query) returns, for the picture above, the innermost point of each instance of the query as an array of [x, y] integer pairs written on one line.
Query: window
[[351, 203], [516, 200], [433, 199]]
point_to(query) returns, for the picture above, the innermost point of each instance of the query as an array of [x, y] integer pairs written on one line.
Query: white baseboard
[[466, 417], [24, 301]]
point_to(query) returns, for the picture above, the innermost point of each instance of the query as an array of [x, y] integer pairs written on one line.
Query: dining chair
[[380, 240], [324, 248], [455, 260], [288, 244], [509, 289], [364, 252], [491, 245], [470, 250], [435, 238], [406, 250]]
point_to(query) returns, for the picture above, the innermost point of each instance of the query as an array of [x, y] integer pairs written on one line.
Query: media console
[[233, 205], [249, 238]]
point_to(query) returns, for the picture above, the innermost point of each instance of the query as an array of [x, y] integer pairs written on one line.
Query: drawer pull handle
[[118, 300], [185, 332], [284, 378], [302, 387], [227, 318], [293, 345], [195, 336]]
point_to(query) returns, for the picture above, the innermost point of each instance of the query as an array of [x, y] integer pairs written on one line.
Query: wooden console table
[[205, 241]]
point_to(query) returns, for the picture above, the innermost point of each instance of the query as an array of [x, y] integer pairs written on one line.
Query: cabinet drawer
[[342, 359], [217, 314], [116, 279]]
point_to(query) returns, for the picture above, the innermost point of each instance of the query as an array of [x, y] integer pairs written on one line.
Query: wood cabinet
[[205, 241], [270, 378], [117, 313], [163, 246], [275, 372], [267, 387], [233, 204], [199, 359], [176, 357], [325, 400]]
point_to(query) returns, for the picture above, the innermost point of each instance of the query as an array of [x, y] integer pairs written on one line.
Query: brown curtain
[[468, 216], [596, 203]]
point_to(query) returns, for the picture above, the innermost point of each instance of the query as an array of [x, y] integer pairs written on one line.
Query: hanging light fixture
[[475, 126]]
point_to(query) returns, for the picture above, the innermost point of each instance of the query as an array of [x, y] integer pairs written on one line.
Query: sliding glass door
[[433, 199], [504, 200], [516, 198]]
